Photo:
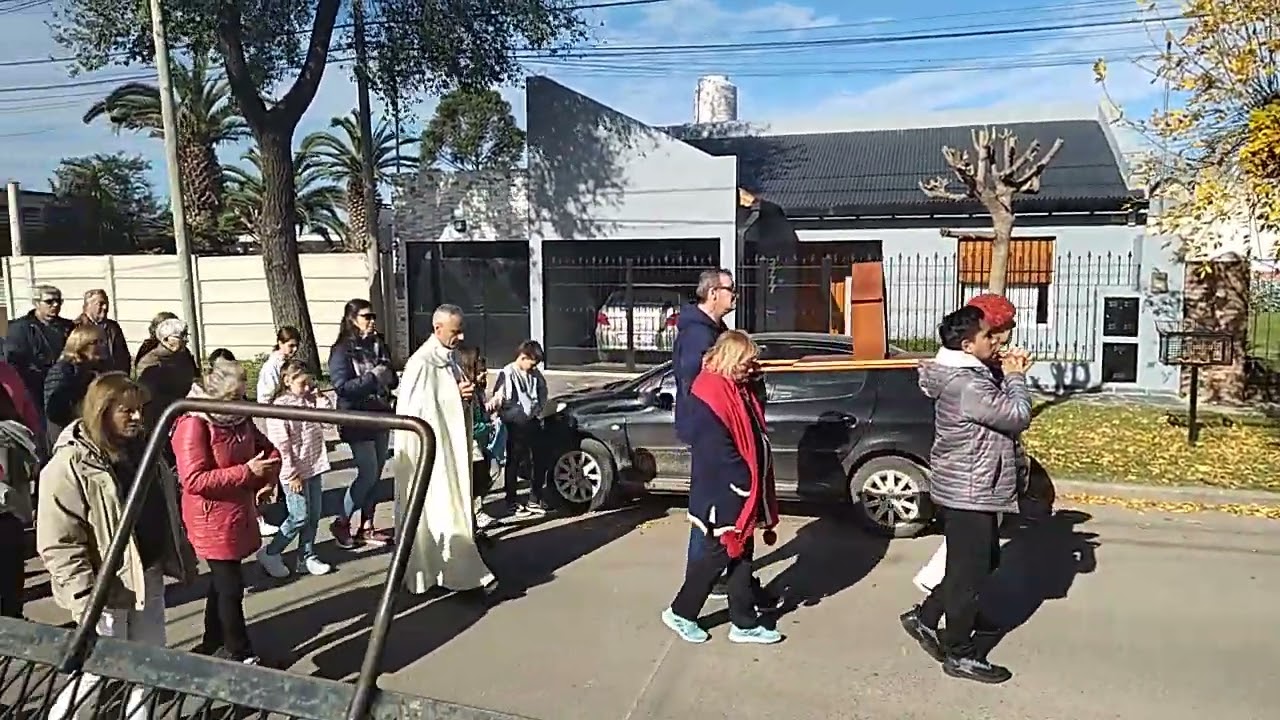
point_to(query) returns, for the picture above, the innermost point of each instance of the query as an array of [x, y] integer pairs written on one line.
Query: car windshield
[[650, 380]]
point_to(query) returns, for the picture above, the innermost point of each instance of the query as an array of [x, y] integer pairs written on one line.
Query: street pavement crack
[[648, 681]]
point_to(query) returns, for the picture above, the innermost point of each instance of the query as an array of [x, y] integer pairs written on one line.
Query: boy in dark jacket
[[974, 479]]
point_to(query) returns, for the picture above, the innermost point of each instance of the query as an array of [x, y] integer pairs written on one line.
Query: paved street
[[1130, 616]]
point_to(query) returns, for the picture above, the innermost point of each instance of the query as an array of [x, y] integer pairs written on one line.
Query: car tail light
[[602, 320], [673, 319]]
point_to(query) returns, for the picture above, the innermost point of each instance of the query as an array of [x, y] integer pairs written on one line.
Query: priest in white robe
[[444, 552]]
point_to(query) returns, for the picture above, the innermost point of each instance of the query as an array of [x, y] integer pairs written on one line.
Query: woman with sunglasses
[[360, 370]]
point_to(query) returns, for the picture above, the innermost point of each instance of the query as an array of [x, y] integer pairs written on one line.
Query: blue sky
[[811, 76]]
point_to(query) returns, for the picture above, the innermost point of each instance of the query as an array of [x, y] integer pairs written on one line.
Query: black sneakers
[[978, 670], [926, 636]]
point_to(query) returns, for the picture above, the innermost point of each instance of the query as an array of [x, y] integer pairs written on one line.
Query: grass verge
[[1113, 441]]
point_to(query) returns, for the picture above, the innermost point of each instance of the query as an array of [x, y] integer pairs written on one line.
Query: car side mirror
[[665, 401]]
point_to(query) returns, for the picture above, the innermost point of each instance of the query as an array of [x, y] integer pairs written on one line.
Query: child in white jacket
[[303, 462]]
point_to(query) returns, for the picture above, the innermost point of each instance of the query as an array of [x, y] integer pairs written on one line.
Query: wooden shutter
[[1030, 261]]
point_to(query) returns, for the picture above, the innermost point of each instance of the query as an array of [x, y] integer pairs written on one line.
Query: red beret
[[997, 311]]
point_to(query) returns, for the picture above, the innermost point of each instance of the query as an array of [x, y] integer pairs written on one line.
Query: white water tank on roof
[[716, 100]]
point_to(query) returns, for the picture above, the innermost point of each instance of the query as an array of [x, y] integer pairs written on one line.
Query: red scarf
[[731, 403]]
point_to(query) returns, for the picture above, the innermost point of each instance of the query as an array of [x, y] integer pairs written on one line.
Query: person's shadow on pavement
[[830, 555], [1040, 563]]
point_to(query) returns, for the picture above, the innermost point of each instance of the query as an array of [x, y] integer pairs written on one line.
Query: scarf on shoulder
[[228, 421], [731, 406]]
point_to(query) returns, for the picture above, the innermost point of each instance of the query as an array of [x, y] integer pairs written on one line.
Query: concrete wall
[[1091, 264], [596, 174], [231, 293]]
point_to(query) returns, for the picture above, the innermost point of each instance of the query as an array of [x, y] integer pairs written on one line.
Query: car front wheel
[[891, 497], [582, 476]]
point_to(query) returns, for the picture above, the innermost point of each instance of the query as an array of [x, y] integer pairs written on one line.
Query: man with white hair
[[444, 551], [115, 350], [36, 339]]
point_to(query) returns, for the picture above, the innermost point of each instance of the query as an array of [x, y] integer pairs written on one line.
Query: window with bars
[[1029, 278]]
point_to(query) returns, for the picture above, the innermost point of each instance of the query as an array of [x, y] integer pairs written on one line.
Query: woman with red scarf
[[731, 493]]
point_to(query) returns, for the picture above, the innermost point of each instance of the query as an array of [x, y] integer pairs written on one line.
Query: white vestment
[[444, 552]]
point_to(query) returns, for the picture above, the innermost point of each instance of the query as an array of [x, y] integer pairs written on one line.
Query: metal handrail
[[366, 682]]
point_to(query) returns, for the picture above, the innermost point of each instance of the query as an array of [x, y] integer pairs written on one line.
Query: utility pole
[[170, 121], [364, 120], [15, 220]]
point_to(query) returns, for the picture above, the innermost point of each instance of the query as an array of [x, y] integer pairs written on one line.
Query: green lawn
[[1264, 336]]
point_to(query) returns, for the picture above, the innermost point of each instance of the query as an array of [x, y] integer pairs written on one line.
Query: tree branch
[[959, 163], [937, 188], [1029, 179], [239, 77], [303, 91]]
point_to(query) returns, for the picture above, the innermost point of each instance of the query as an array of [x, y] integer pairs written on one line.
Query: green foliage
[[337, 155], [473, 130], [120, 207], [316, 206], [916, 344]]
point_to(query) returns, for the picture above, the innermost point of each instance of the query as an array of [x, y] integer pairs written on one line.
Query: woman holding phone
[[224, 465]]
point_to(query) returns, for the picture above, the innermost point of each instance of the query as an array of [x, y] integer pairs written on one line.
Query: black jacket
[[33, 347], [116, 352], [64, 388], [697, 333]]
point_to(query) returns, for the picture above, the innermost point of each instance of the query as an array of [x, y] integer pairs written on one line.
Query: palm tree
[[207, 117], [337, 158], [317, 205]]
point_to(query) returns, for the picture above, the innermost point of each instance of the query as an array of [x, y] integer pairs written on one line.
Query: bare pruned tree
[[995, 173]]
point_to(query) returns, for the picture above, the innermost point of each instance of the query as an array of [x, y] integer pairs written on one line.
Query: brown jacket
[[78, 514], [167, 376]]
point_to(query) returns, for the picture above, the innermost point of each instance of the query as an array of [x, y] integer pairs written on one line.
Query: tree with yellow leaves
[[1217, 177]]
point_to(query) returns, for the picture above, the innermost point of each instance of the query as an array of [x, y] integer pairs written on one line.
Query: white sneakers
[[314, 566], [483, 519], [275, 566], [266, 529]]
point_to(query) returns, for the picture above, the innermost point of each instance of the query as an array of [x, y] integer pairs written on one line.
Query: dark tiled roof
[[876, 172]]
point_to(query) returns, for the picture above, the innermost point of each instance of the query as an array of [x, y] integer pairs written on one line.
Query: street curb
[[1171, 494]]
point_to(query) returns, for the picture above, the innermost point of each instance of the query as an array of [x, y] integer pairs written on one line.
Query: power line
[[1128, 6], [857, 41], [683, 52], [944, 32]]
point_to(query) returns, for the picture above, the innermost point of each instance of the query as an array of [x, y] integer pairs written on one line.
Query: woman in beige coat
[[92, 467]]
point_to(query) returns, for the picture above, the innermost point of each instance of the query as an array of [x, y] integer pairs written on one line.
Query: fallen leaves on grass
[[1134, 443], [1254, 510]]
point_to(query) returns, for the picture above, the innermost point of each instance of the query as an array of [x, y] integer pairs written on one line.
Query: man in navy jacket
[[697, 329]]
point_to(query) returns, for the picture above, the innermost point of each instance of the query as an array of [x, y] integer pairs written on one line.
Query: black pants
[[973, 551], [13, 572], [701, 576], [224, 625], [481, 479], [522, 443]]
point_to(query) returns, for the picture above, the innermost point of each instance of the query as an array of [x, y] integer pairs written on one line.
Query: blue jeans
[[303, 520], [369, 456]]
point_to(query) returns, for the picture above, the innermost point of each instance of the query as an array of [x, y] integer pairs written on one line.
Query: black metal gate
[[488, 280], [90, 677]]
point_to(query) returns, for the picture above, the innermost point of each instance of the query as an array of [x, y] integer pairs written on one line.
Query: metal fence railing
[[40, 664], [624, 309]]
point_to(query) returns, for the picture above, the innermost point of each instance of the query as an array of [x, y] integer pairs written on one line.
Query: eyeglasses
[[51, 301], [732, 290]]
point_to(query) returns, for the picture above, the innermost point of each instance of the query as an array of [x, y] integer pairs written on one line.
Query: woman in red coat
[[224, 464]]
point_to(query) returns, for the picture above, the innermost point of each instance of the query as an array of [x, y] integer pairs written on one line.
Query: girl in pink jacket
[[303, 462]]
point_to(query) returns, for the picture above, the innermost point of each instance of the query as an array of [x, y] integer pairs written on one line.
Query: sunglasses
[[368, 316], [51, 301]]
